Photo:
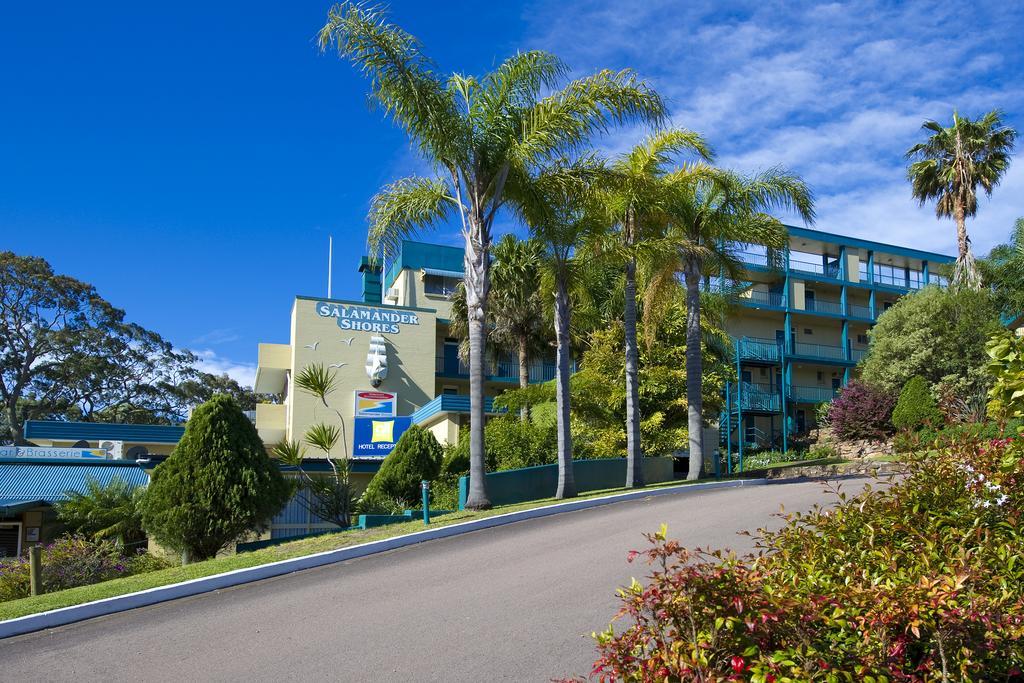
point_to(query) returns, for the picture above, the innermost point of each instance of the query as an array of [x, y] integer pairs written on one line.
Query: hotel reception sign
[[374, 437], [367, 318]]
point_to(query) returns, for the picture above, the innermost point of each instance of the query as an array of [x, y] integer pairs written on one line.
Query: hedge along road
[[516, 602]]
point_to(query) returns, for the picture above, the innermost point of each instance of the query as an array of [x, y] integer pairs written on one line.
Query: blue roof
[[96, 431], [49, 483], [834, 238], [417, 255]]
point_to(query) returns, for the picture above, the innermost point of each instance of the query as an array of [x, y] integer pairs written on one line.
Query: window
[[450, 391], [10, 539], [808, 330], [821, 376], [862, 339], [440, 284]]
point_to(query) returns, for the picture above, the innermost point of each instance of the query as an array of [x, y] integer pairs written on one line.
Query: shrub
[[509, 444], [417, 456], [376, 503], [444, 492], [72, 561], [861, 411], [916, 407], [937, 334], [1006, 397], [110, 511], [820, 452], [944, 437], [920, 581], [217, 485]]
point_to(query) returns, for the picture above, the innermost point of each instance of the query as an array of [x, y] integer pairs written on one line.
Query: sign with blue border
[[52, 453], [375, 437]]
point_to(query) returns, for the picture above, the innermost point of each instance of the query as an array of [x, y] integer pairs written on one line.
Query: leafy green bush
[[217, 485], [930, 438], [937, 334], [1006, 366], [509, 444], [377, 503], [72, 561], [916, 406], [821, 452], [920, 581], [417, 456], [110, 511], [444, 492]]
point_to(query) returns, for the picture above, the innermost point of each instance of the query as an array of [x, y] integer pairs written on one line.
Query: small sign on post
[[425, 485]]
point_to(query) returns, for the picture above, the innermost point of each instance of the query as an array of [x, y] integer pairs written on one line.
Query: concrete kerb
[[152, 596]]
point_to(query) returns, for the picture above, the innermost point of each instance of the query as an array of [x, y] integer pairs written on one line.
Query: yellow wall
[[410, 366], [411, 293], [797, 294]]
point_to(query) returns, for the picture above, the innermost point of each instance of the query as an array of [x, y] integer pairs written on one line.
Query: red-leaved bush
[[862, 411], [920, 581]]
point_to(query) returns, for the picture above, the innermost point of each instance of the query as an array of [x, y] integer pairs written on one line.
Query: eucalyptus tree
[[481, 136], [514, 308], [950, 165], [636, 202], [714, 214]]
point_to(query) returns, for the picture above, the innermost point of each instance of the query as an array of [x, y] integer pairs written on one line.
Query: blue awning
[[42, 484], [102, 431], [443, 273]]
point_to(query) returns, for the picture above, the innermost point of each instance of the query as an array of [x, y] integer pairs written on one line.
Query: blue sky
[[190, 159]]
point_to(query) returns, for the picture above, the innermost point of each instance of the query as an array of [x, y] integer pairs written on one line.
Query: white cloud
[[217, 336], [834, 92], [211, 362]]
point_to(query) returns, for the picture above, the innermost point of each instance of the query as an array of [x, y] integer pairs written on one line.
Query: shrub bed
[[918, 582], [72, 561]]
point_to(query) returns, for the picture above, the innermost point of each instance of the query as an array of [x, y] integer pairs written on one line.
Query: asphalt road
[[512, 603]]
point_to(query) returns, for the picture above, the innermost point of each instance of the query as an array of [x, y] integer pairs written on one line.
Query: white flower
[[992, 486], [1001, 500]]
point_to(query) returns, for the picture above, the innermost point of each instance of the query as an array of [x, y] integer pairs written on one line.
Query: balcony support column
[[924, 272], [842, 263], [842, 301], [739, 404], [846, 376], [847, 355], [871, 267], [871, 304]]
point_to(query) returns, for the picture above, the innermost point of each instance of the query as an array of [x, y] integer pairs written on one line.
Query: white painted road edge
[[152, 596]]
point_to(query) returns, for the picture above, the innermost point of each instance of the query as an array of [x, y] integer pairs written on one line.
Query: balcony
[[759, 297], [823, 306], [801, 394], [271, 422], [757, 397], [857, 354], [803, 263], [449, 403], [822, 351], [759, 350], [272, 366], [858, 311], [502, 371]]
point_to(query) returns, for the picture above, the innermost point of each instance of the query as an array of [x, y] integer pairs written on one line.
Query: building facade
[[802, 327]]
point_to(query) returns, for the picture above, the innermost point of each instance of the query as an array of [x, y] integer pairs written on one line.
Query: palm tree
[[514, 307], [482, 137], [713, 214], [637, 203], [950, 165], [562, 214], [104, 511]]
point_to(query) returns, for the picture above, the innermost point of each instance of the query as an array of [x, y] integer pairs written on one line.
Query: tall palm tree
[[562, 213], [713, 214], [514, 307], [950, 165], [637, 203], [482, 136]]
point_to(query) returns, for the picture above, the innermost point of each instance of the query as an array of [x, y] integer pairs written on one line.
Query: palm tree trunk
[[634, 456], [477, 268], [965, 271], [694, 370], [524, 375], [566, 477]]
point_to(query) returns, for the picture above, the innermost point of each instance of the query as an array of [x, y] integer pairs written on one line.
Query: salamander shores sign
[[367, 318]]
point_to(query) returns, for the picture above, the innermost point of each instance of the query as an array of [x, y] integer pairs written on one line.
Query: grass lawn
[[298, 548]]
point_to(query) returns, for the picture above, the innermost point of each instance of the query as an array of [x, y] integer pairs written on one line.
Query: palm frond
[[322, 436], [317, 380], [290, 453], [403, 208]]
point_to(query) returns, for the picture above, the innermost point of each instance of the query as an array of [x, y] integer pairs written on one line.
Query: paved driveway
[[514, 603]]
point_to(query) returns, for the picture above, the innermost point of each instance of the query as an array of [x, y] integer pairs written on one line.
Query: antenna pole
[[330, 262]]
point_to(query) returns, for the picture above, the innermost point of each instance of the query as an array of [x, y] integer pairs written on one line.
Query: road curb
[[152, 596]]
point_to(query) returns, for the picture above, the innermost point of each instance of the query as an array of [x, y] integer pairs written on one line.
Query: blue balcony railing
[[857, 354], [819, 351], [762, 298], [824, 306], [811, 394], [858, 311], [759, 397], [755, 349], [502, 371]]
